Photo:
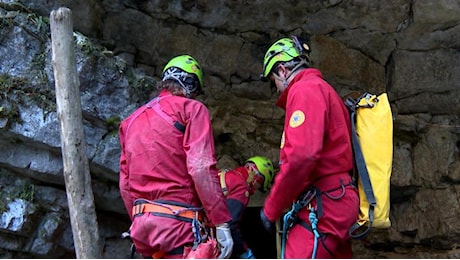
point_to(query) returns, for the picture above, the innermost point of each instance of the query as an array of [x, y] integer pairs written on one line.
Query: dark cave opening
[[262, 243]]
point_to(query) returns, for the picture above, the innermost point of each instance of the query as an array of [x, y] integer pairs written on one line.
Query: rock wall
[[408, 48]]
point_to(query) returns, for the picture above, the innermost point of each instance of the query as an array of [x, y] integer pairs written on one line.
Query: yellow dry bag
[[372, 136]]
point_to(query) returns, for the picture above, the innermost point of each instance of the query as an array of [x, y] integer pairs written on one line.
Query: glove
[[268, 225], [225, 240], [247, 255]]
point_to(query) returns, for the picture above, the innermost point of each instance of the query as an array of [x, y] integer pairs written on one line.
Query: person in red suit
[[168, 177], [238, 185], [315, 157]]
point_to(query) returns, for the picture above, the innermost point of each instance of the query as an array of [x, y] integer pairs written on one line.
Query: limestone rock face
[[407, 48]]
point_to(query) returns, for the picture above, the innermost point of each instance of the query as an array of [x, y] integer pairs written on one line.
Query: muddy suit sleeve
[[201, 163]]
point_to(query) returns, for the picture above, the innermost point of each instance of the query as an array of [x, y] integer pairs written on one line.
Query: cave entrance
[[263, 244]]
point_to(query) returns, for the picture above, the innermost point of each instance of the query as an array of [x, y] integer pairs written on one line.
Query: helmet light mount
[[301, 45]]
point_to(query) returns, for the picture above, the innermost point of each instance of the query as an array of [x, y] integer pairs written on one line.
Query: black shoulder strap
[[362, 172], [155, 104]]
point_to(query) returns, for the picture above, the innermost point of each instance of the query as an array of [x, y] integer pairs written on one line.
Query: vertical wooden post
[[73, 144], [278, 234]]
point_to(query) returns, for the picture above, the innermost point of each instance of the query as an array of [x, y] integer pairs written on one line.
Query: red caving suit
[[315, 150], [158, 162], [239, 192]]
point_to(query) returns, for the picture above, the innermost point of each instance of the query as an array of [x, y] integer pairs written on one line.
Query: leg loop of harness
[[322, 236], [291, 217], [304, 200]]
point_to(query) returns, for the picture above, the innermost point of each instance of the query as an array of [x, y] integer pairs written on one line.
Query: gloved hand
[[268, 225], [225, 240], [248, 254]]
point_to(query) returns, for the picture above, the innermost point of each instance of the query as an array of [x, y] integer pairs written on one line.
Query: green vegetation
[[40, 22], [140, 87], [112, 123], [87, 46], [26, 191], [3, 202], [8, 108], [14, 90], [20, 189], [6, 21]]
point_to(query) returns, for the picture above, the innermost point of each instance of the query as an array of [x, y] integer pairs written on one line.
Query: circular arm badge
[[297, 119]]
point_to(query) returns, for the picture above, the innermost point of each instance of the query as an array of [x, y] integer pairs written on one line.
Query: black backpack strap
[[363, 176], [155, 105]]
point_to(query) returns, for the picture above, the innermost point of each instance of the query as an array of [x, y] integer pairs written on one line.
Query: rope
[[314, 224], [290, 218], [200, 232], [196, 233], [288, 221]]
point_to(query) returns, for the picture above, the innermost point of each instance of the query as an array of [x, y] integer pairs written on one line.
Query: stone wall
[[408, 48]]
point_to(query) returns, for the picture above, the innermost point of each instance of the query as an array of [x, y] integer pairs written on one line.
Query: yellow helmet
[[265, 168]]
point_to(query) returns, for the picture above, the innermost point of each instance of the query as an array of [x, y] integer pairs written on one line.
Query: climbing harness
[[167, 209], [202, 233], [291, 217], [204, 243]]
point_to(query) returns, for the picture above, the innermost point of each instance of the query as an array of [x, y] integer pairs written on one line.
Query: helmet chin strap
[[286, 79]]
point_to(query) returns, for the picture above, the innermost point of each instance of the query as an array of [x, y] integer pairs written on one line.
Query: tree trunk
[[73, 144]]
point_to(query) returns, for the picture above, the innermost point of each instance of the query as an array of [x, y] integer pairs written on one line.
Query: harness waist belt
[[173, 210], [333, 181]]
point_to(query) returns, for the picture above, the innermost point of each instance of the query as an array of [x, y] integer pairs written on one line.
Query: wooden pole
[[278, 235], [73, 144]]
